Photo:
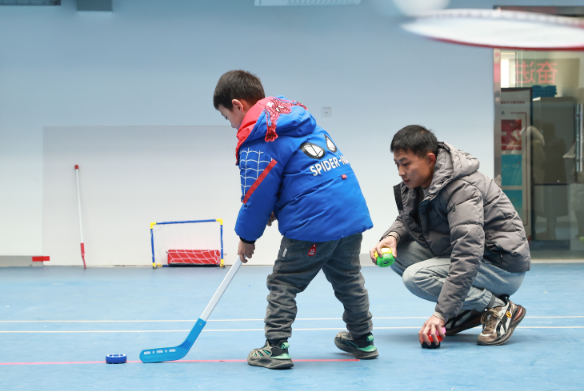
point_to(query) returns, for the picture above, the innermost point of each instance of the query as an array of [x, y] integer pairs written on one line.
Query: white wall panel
[[132, 176]]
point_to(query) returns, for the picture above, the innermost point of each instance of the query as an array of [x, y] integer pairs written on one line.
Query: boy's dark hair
[[415, 138], [237, 85]]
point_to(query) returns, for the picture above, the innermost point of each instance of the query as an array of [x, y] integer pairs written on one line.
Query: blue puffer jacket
[[291, 166]]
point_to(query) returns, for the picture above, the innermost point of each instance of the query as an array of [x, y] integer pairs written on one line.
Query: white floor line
[[243, 330], [246, 320]]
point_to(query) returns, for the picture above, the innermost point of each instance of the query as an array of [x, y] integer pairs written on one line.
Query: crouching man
[[458, 240]]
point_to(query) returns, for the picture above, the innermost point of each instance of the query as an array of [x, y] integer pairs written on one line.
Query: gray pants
[[295, 268], [424, 275]]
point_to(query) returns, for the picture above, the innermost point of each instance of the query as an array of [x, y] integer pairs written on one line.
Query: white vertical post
[[80, 222]]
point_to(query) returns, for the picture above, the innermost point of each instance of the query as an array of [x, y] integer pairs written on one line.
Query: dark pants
[[295, 268]]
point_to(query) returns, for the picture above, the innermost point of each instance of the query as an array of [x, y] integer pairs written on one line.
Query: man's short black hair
[[239, 85], [415, 138]]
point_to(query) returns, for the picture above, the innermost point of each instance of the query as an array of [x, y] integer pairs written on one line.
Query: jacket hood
[[272, 117], [451, 164]]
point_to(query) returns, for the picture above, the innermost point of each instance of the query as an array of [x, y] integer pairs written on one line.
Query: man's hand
[[272, 219], [432, 326], [390, 242], [245, 250]]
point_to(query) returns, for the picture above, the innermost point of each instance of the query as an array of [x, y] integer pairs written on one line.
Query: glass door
[[539, 141]]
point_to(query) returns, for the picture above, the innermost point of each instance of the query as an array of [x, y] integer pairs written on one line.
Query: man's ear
[[431, 158]]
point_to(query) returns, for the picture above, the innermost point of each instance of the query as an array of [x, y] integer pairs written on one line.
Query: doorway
[[539, 142]]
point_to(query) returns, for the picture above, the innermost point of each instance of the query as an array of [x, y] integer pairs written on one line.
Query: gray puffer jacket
[[465, 215]]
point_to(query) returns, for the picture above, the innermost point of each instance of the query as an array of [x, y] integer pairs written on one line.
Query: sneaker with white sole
[[272, 357], [361, 348], [500, 322]]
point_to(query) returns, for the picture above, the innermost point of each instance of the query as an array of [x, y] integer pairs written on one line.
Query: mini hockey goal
[[187, 243]]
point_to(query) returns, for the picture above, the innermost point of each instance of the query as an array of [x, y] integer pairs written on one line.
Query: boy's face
[[414, 170], [236, 114]]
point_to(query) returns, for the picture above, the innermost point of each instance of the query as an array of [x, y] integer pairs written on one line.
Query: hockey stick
[[178, 352], [80, 225]]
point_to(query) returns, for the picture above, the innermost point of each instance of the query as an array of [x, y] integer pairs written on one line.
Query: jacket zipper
[[421, 228]]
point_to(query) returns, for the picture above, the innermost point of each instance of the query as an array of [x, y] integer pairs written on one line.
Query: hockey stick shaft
[[178, 352], [221, 290], [80, 222]]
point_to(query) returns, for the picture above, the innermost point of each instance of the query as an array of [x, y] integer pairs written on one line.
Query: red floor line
[[103, 362]]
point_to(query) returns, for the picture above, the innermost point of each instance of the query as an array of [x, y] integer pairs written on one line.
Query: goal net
[[187, 243]]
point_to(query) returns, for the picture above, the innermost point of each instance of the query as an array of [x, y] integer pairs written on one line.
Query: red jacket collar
[[248, 123]]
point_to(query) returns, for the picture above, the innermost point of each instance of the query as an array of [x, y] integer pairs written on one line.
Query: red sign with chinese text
[[536, 72]]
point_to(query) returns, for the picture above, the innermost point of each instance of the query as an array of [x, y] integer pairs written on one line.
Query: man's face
[[236, 114], [414, 170]]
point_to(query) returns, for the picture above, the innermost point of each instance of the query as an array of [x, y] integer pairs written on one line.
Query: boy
[[292, 171], [458, 240]]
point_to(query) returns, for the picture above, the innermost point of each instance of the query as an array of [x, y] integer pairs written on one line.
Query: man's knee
[[410, 278], [410, 253], [421, 281]]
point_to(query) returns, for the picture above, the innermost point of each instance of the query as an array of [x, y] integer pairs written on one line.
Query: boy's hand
[[245, 250], [272, 219], [390, 242]]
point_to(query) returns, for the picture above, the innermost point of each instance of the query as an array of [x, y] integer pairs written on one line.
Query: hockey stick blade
[[174, 353], [178, 352]]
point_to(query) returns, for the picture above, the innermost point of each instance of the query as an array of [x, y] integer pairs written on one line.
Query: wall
[[155, 63], [130, 177]]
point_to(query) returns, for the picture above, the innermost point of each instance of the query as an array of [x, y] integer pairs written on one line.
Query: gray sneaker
[[361, 348], [500, 322], [272, 357]]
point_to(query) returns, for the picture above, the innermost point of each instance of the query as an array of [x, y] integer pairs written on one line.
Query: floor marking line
[[170, 362], [246, 320], [550, 327], [553, 317], [242, 330], [177, 321]]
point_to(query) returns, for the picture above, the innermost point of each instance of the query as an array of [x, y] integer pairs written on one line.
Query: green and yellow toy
[[386, 259]]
